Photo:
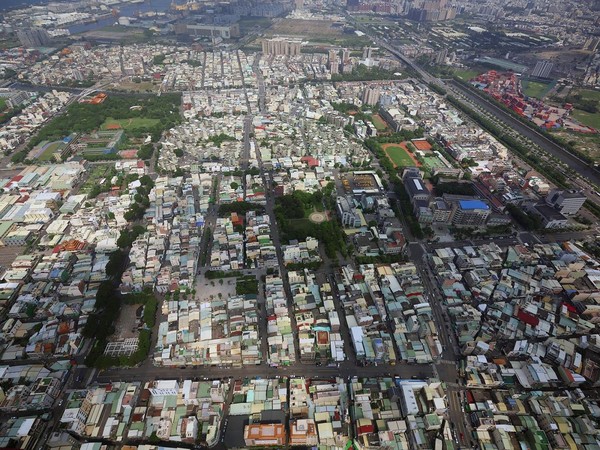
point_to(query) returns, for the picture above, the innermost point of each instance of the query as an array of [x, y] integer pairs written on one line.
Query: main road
[[575, 163], [551, 147]]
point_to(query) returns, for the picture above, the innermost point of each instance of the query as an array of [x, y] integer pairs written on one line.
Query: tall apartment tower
[[334, 64], [371, 96], [542, 69], [33, 37], [281, 46]]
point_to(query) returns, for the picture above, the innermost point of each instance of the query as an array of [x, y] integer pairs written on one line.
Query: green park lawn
[[379, 123], [48, 153], [534, 89], [131, 124], [466, 74], [586, 118]]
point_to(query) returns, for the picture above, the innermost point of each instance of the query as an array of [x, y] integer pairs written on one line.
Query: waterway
[[127, 9]]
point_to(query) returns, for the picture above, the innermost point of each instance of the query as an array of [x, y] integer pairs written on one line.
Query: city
[[314, 223]]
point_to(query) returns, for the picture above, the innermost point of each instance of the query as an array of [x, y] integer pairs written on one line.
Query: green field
[[47, 154], [249, 23], [586, 118], [433, 161], [589, 94], [399, 156], [2, 103], [535, 89], [97, 173], [466, 74], [379, 123], [135, 123]]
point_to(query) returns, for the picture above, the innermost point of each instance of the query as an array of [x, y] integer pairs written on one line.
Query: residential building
[[258, 434], [542, 69], [470, 213], [566, 202], [33, 37], [551, 218], [415, 186], [281, 46], [348, 214]]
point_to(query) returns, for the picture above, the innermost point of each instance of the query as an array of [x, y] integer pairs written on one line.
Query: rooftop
[[473, 204]]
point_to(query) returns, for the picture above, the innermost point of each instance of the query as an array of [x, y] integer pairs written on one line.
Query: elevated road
[[577, 164], [574, 162]]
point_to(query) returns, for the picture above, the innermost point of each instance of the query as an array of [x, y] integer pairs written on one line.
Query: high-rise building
[[440, 58], [368, 52], [431, 11], [542, 69], [33, 37], [345, 55], [334, 64], [470, 213], [281, 46], [370, 96], [352, 5], [567, 202]]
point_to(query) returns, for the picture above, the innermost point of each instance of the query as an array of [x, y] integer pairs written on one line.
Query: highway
[[580, 166], [575, 163]]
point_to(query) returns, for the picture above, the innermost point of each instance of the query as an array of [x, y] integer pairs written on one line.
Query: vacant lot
[[586, 143], [8, 254], [310, 29], [400, 155], [144, 86]]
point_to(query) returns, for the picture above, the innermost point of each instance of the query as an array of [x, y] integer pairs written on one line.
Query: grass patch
[[99, 172], [379, 123], [47, 154], [399, 156], [249, 23], [535, 89], [589, 94], [2, 103], [466, 74], [144, 86], [117, 29], [134, 123], [586, 118]]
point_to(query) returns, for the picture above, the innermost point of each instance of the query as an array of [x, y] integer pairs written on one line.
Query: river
[[128, 10]]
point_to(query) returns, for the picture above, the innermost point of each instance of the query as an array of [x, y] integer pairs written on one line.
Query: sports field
[[400, 156], [379, 123], [432, 161], [535, 89], [130, 124]]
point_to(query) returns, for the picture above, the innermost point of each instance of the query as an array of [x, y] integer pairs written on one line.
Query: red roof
[[366, 429], [528, 318], [310, 161]]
